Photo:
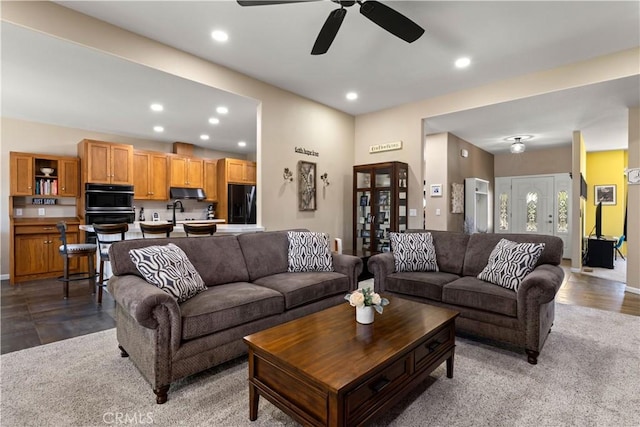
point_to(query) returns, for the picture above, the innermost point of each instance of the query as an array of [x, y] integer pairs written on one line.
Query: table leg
[[450, 366], [254, 398]]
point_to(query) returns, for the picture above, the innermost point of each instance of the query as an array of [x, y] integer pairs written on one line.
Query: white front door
[[532, 205]]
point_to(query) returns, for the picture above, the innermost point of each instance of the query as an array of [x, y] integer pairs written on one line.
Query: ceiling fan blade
[[391, 20], [328, 32], [268, 2]]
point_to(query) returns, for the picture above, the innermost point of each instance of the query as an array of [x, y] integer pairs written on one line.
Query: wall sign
[[43, 201], [388, 146], [300, 150]]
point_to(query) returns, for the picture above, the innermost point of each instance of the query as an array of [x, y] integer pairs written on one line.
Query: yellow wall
[[606, 168]]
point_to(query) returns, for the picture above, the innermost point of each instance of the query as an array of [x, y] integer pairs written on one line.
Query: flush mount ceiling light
[[204, 137], [222, 110], [517, 143], [352, 96], [463, 62], [158, 129], [219, 36], [214, 120], [242, 144], [157, 107]]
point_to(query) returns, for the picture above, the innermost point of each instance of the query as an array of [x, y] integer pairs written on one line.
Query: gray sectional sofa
[[521, 318], [249, 289]]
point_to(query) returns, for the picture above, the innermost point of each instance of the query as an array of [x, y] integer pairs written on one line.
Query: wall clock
[[633, 176]]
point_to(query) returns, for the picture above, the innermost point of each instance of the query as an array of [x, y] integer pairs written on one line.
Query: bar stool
[[102, 231], [75, 250], [163, 228], [199, 229]]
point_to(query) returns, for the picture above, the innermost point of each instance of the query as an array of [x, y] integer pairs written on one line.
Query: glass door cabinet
[[380, 192]]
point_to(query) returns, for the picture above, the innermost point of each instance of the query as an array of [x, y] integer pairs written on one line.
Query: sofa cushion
[[475, 293], [510, 262], [168, 268], [309, 251], [265, 253], [426, 284], [302, 288], [226, 306], [413, 252]]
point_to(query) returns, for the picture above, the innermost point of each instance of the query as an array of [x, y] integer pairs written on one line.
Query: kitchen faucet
[[173, 206]]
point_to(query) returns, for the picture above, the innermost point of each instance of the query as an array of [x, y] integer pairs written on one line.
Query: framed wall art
[[605, 194], [436, 190], [306, 186]]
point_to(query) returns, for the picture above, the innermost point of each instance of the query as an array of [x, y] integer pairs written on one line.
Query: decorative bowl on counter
[[47, 171]]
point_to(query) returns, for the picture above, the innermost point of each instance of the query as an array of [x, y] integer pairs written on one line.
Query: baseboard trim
[[632, 290], [4, 277]]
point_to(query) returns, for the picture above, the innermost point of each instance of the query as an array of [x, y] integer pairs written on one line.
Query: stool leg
[[65, 282], [100, 280], [92, 275]]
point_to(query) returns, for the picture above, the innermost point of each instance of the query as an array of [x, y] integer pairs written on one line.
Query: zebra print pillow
[[413, 252], [168, 268], [510, 262], [309, 251]]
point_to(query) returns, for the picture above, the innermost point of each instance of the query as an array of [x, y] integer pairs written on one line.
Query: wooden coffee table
[[325, 369]]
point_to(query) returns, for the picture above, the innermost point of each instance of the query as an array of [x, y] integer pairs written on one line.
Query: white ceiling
[[272, 43]]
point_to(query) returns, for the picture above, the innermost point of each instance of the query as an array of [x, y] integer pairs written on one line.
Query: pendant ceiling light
[[517, 146]]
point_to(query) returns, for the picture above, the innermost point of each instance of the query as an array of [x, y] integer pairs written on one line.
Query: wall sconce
[[325, 179], [288, 175]]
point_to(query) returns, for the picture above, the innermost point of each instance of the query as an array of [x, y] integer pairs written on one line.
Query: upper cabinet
[[185, 171], [42, 174], [106, 162], [150, 175], [211, 180], [237, 171]]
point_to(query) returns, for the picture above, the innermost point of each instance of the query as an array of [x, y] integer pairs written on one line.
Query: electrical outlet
[[41, 212], [18, 212]]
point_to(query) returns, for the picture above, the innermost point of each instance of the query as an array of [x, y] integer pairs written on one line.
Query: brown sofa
[[249, 289], [521, 318]]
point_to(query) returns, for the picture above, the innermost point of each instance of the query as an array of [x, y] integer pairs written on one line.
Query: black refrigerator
[[241, 204]]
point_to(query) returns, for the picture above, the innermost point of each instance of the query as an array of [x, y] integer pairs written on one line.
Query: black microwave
[[101, 197]]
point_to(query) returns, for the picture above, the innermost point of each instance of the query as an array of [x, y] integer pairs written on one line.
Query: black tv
[[599, 220]]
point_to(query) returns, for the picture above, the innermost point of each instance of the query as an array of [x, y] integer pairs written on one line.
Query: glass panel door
[[363, 225]]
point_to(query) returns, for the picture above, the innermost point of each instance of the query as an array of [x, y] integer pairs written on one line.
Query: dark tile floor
[[34, 313]]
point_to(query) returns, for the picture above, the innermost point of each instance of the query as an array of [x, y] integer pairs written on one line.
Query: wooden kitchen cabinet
[[186, 172], [236, 171], [35, 249], [27, 179], [211, 180], [150, 173], [106, 162]]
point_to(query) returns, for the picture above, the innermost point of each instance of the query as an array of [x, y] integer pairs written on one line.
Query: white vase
[[365, 314]]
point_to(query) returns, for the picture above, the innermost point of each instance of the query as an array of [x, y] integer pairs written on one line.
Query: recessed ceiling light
[[158, 129], [219, 36], [242, 144], [214, 120], [352, 96], [222, 110], [157, 107], [204, 137], [463, 62]]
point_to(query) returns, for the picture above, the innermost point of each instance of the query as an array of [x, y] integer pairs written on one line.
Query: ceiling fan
[[380, 14]]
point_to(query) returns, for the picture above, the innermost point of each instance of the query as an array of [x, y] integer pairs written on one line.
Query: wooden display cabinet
[[380, 204], [27, 178], [150, 175]]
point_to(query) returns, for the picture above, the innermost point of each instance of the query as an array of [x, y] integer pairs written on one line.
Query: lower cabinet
[[36, 252]]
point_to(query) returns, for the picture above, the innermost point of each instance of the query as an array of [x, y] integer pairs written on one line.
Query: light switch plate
[[413, 212], [41, 212], [437, 211]]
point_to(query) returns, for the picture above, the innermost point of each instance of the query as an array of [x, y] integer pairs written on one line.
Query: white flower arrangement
[[366, 297]]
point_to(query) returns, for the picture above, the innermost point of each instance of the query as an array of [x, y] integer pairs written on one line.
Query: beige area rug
[[617, 274], [587, 375]]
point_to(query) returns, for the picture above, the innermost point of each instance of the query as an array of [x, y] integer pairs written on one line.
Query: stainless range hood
[[186, 193]]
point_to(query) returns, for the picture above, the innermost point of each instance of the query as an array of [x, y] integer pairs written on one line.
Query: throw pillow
[[413, 252], [168, 268], [309, 251], [510, 262]]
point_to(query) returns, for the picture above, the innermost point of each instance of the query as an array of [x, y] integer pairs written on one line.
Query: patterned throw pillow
[[309, 251], [510, 262], [413, 252], [168, 268]]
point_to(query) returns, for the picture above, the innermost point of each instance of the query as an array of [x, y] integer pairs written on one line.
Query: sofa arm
[[381, 265], [145, 303], [349, 265], [541, 285]]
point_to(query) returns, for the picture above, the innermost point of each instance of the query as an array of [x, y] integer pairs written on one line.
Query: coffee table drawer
[[380, 385], [433, 346]]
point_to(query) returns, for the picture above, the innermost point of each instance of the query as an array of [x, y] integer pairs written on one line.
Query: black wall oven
[[107, 204]]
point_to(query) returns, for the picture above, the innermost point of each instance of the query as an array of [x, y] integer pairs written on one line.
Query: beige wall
[[633, 225], [285, 120], [538, 162]]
